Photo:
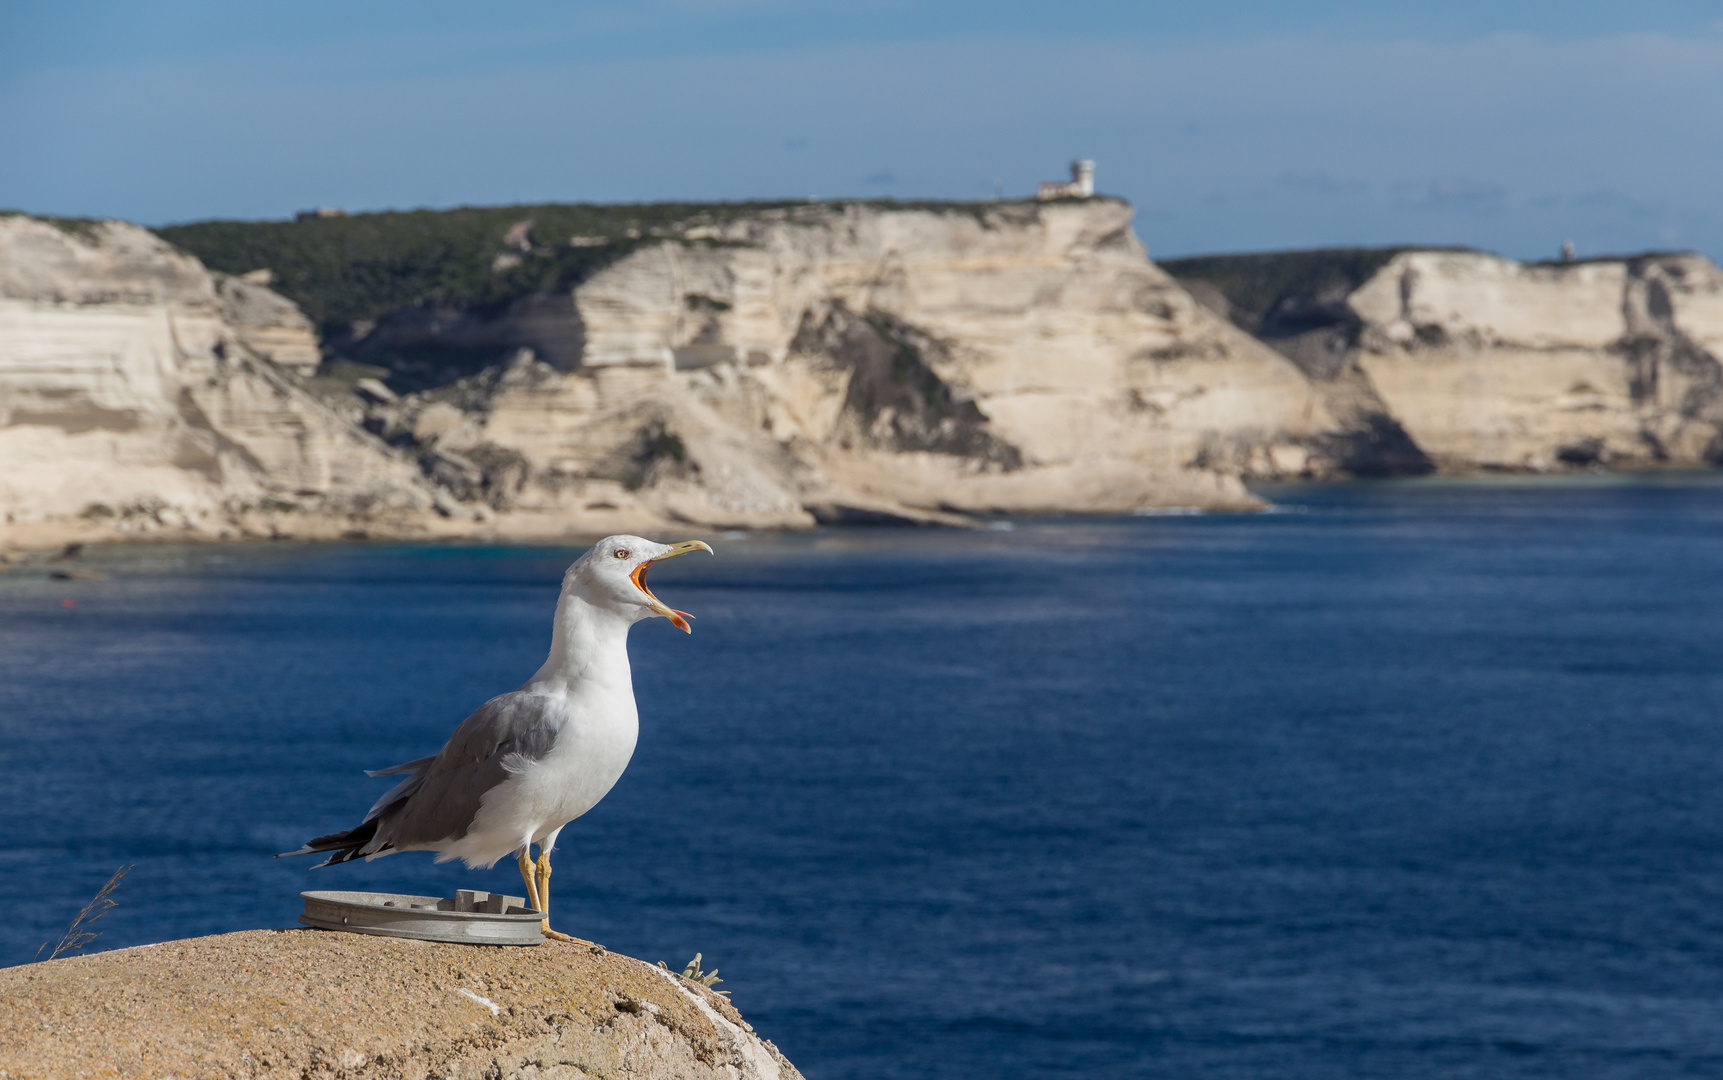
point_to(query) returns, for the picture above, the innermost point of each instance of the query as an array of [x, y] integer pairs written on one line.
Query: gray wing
[[439, 801]]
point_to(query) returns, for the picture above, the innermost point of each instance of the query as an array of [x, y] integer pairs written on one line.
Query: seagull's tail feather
[[349, 844], [361, 840]]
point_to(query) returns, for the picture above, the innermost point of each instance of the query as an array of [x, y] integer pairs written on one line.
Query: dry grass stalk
[[76, 937]]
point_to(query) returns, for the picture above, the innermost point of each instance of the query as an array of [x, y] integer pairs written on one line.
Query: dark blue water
[[1425, 781]]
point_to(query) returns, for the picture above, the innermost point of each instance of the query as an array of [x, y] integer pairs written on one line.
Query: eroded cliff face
[[827, 363], [140, 393], [1467, 361], [860, 363], [822, 363], [1494, 364]]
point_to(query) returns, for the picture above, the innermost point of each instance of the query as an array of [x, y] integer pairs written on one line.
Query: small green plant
[[692, 973], [76, 937]]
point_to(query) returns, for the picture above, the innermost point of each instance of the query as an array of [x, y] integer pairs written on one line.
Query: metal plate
[[470, 918]]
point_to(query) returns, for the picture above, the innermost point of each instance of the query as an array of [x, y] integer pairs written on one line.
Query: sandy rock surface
[[308, 1003]]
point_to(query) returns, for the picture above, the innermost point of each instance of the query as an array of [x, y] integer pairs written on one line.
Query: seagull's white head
[[612, 574]]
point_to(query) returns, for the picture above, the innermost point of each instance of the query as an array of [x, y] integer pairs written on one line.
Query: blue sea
[[1409, 779]]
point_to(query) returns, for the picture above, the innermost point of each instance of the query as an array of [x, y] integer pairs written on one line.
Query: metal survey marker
[[470, 918]]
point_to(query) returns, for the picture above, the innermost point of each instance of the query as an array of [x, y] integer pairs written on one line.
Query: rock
[[268, 323], [376, 390], [1489, 363], [905, 364], [136, 398], [790, 365], [298, 1003], [432, 345], [1468, 361], [519, 236], [783, 367]]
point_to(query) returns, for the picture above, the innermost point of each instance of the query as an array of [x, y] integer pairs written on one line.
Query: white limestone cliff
[[821, 363], [1494, 364], [137, 394], [854, 363], [268, 324]]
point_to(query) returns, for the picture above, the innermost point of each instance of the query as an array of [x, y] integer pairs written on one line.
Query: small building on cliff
[[1080, 186]]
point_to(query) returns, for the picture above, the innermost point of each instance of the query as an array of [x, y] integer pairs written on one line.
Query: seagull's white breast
[[587, 759], [596, 733]]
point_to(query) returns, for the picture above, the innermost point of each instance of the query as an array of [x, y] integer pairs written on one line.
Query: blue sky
[[1232, 125]]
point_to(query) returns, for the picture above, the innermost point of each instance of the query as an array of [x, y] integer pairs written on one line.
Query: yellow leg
[[544, 894], [532, 894]]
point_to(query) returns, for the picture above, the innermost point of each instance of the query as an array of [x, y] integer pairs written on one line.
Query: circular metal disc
[[471, 918]]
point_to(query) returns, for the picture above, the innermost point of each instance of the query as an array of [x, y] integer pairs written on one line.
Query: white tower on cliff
[[1083, 178], [1080, 186]]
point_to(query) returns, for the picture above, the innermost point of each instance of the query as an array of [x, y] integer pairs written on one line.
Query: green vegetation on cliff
[[83, 228], [363, 266], [348, 268]]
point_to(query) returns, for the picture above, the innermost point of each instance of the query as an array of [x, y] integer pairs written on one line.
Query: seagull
[[532, 760]]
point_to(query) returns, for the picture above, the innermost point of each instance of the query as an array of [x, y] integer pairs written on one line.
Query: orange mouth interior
[[639, 579], [638, 576]]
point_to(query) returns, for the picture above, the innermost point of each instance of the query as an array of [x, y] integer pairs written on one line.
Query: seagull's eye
[[622, 553]]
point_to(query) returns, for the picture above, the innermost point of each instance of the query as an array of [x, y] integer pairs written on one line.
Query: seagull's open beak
[[678, 618]]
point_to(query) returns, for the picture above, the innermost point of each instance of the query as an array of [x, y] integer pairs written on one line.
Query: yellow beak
[[679, 619]]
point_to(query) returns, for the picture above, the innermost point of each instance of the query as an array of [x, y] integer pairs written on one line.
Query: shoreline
[[35, 543]]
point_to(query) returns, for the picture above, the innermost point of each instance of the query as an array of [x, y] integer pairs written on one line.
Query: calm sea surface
[[1410, 780]]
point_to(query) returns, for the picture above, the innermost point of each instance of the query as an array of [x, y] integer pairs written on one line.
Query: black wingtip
[[344, 845]]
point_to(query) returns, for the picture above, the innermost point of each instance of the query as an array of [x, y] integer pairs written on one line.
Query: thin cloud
[[1615, 202], [1289, 151], [1319, 183], [1457, 195]]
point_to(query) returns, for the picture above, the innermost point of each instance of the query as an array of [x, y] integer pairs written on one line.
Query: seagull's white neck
[[588, 648]]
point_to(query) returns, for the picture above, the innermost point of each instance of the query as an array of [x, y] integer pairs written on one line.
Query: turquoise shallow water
[[1408, 780]]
